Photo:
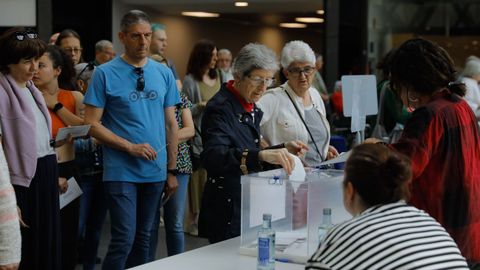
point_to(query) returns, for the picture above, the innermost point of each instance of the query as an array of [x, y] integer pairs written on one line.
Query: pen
[[161, 148], [283, 260]]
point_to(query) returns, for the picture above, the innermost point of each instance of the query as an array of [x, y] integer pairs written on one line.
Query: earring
[[412, 98]]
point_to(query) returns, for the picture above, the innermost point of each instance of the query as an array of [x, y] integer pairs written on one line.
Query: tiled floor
[[191, 242]]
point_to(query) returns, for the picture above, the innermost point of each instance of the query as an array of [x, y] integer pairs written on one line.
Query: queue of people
[[156, 144]]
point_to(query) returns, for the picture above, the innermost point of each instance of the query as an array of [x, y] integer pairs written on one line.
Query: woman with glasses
[[26, 139], [55, 72], [69, 41], [385, 232], [295, 110], [442, 140], [231, 137], [201, 83]]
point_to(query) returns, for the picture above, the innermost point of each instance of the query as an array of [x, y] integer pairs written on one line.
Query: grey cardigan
[[192, 90]]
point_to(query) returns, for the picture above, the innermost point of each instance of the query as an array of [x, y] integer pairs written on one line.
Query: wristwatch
[[173, 172], [243, 162], [57, 107]]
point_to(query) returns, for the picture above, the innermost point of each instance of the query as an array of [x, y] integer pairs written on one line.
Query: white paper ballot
[[73, 192], [76, 131], [298, 173], [342, 157]]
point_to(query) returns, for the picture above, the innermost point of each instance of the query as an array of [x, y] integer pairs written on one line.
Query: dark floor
[[191, 242]]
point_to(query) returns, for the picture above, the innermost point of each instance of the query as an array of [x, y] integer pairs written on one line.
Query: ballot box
[[296, 206]]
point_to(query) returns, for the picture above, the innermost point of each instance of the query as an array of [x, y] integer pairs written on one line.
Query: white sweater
[[10, 239], [281, 122]]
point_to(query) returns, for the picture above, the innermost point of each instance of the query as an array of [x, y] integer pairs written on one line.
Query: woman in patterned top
[[385, 232], [174, 207]]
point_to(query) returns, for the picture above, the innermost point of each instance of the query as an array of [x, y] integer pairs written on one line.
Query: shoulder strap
[[303, 121]]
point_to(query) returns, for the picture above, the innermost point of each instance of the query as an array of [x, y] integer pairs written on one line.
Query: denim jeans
[[174, 213], [132, 209], [93, 210]]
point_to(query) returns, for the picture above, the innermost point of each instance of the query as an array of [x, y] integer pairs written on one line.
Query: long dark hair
[[12, 49], [60, 59], [66, 33], [379, 174], [424, 67], [200, 58]]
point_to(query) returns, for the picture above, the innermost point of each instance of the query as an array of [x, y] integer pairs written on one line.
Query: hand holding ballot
[[75, 132], [67, 134]]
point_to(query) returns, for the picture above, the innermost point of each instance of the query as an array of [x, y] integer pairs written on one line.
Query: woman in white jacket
[[295, 110], [471, 78]]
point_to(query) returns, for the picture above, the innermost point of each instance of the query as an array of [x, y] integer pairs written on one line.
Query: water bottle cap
[[327, 211], [267, 216]]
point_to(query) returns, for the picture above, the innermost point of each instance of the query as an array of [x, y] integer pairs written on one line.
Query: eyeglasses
[[73, 50], [21, 36], [137, 36], [257, 81], [296, 71], [141, 79]]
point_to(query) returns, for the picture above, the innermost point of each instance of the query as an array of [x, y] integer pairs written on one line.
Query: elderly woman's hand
[[372, 140], [278, 157], [332, 152], [297, 148], [13, 266]]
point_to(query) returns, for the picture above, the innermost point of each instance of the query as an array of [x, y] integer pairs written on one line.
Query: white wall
[[18, 13]]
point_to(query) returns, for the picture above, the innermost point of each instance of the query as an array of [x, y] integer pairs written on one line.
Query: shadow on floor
[[191, 242]]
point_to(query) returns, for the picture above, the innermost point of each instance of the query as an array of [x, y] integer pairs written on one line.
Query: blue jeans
[[93, 210], [132, 209], [174, 212]]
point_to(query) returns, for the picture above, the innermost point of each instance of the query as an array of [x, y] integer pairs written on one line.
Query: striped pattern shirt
[[390, 236]]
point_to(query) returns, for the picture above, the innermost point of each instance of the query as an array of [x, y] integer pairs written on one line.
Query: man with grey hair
[[318, 82], [231, 141], [224, 63], [135, 98], [104, 52], [158, 49]]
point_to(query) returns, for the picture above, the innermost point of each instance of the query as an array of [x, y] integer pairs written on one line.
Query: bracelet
[[57, 107], [243, 162]]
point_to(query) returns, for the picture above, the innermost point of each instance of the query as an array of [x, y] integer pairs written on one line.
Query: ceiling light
[[309, 20], [241, 4], [293, 25], [200, 14], [321, 11]]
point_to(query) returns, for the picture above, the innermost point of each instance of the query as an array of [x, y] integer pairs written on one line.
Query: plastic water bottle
[[266, 245], [325, 225]]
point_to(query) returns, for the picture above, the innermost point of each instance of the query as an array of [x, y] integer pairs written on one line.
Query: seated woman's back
[[389, 236]]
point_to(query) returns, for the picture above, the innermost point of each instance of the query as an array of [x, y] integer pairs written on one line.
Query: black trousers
[[40, 211], [69, 218]]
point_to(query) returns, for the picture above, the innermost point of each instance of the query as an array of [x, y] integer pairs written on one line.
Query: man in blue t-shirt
[[130, 104]]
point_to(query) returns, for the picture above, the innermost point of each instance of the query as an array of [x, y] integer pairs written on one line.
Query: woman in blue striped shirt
[[385, 232]]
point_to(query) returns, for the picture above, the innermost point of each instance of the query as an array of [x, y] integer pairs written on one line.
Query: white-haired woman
[[471, 78], [295, 110], [231, 141]]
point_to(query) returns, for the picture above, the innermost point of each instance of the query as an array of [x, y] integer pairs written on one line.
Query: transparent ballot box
[[296, 208]]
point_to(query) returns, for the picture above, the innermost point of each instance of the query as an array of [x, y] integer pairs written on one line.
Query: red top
[[247, 106], [68, 100], [443, 143]]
